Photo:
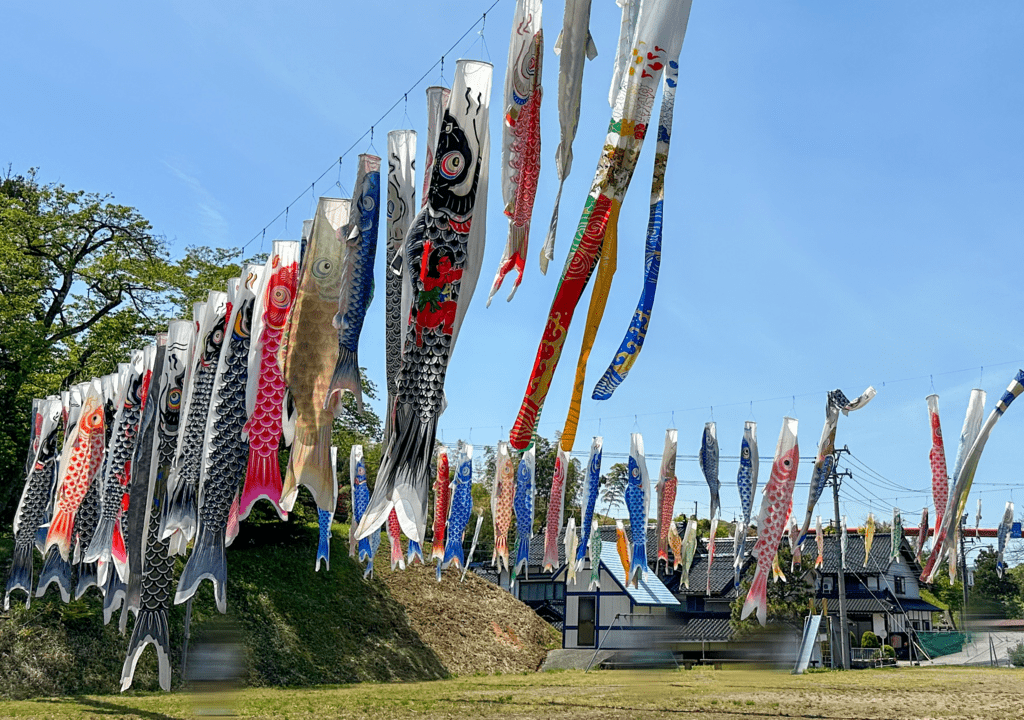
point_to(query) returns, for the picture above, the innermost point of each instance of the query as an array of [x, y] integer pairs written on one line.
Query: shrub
[[870, 640], [887, 651], [1017, 655]]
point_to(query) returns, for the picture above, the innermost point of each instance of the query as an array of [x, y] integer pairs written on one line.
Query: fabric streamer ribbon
[[658, 39], [520, 138], [574, 46], [965, 476], [443, 255], [633, 342]]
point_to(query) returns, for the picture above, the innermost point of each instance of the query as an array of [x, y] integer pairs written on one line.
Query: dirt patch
[[472, 626]]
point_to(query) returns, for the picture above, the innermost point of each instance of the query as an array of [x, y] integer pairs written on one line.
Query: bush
[[887, 651], [854, 642], [1017, 655], [870, 640]]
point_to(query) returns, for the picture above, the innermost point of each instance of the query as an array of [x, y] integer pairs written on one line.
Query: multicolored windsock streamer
[[444, 251], [401, 210], [442, 499], [309, 353], [824, 462], [869, 536], [151, 624], [937, 457], [265, 391], [225, 452], [358, 548], [359, 239], [36, 495], [658, 39], [675, 542], [666, 488], [965, 474], [591, 489], [771, 522], [819, 538], [638, 502], [746, 481], [503, 495], [108, 544], [523, 504], [556, 506], [968, 433], [1002, 534], [922, 534], [395, 539], [633, 342], [622, 546], [574, 46], [460, 510], [571, 541], [595, 559], [325, 518], [179, 523], [520, 138], [689, 549]]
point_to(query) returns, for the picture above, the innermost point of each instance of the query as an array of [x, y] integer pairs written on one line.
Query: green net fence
[[937, 644]]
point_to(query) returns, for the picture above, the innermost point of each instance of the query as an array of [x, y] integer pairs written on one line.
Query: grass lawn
[[925, 692]]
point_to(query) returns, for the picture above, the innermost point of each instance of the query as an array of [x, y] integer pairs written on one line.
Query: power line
[[369, 131]]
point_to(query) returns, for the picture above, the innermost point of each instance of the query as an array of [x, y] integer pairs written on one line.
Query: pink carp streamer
[[771, 522], [937, 457], [520, 142], [556, 501]]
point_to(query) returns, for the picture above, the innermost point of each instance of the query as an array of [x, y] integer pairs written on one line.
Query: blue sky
[[844, 202]]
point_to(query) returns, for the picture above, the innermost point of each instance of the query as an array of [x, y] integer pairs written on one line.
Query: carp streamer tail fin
[[309, 464], [102, 541], [415, 552], [262, 481], [113, 596], [522, 554], [757, 596], [150, 627], [404, 476], [181, 512], [59, 535], [501, 551], [55, 570], [346, 377], [323, 550], [88, 575], [453, 553], [21, 575], [207, 561]]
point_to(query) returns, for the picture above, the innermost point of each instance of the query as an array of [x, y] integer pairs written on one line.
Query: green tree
[[991, 595], [788, 602], [613, 487], [81, 280]]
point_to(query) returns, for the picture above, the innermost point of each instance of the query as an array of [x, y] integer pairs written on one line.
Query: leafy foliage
[[787, 601], [83, 281], [991, 595]]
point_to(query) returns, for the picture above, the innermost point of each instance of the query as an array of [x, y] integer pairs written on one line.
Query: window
[[872, 582], [901, 586], [586, 630]]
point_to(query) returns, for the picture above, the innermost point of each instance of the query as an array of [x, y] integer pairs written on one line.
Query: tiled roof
[[861, 605], [908, 604], [651, 591], [706, 629], [878, 561]]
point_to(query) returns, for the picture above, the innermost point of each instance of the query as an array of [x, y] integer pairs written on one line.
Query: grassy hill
[[298, 627]]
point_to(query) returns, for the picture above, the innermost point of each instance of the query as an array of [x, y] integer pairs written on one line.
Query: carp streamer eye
[[451, 165], [281, 297], [322, 268], [95, 420], [217, 336], [787, 463], [174, 399]]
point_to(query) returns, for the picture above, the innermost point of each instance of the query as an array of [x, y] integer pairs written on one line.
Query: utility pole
[[963, 573], [844, 631]]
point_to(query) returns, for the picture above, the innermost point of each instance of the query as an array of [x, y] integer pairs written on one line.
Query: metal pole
[[184, 647], [601, 644], [844, 630], [963, 573]]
